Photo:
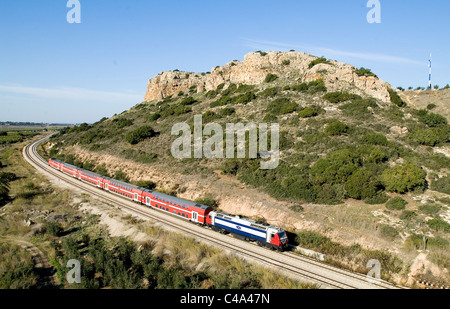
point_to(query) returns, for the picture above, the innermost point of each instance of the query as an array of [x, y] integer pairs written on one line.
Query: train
[[263, 234]]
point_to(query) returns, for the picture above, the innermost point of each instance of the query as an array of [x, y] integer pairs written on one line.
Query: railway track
[[296, 266]]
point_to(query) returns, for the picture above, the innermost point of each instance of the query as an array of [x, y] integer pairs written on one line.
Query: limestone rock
[[291, 66]]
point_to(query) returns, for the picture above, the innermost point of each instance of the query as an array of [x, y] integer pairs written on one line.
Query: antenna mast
[[429, 76]]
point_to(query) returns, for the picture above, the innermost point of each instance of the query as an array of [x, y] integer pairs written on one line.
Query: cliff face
[[291, 66]]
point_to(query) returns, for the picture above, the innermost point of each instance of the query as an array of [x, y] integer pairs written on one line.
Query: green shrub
[[310, 111], [364, 72], [154, 117], [209, 116], [245, 98], [378, 199], [430, 136], [359, 108], [53, 228], [188, 101], [408, 215], [395, 98], [263, 54], [433, 120], [140, 134], [431, 106], [146, 184], [441, 185], [271, 78], [340, 96], [270, 92], [362, 185], [122, 122], [439, 225], [403, 178], [121, 176], [232, 88], [228, 111], [430, 209], [282, 106], [317, 86], [375, 139], [388, 231], [397, 203], [207, 201], [336, 168], [318, 61], [337, 128]]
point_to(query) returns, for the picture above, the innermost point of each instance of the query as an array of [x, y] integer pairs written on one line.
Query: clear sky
[[54, 71]]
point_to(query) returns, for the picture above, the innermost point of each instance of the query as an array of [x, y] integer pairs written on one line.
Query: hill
[[351, 150], [438, 101]]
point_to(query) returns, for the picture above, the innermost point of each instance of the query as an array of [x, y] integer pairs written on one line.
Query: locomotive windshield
[[283, 236]]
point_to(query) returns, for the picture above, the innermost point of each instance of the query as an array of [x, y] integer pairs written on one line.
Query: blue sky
[[53, 71]]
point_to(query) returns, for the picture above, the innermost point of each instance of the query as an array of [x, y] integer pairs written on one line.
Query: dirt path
[[43, 267]]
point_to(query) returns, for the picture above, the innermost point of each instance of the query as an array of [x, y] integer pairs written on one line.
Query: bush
[[317, 86], [378, 199], [408, 215], [121, 176], [209, 116], [439, 225], [282, 106], [207, 201], [388, 231], [395, 98], [433, 120], [397, 203], [271, 78], [310, 111], [146, 184], [359, 108], [364, 72], [362, 185], [430, 209], [318, 61], [53, 228], [403, 178], [430, 137], [188, 101], [228, 111], [140, 134], [441, 185], [336, 128], [340, 96], [375, 139], [245, 98], [122, 122], [270, 92]]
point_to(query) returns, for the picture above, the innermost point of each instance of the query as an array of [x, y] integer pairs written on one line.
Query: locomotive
[[263, 234]]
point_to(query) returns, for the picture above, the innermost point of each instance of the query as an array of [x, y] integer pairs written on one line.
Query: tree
[[362, 185], [403, 178]]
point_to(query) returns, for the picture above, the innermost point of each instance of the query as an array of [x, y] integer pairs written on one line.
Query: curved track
[[299, 267]]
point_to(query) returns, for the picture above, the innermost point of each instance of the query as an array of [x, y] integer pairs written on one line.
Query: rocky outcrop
[[291, 66]]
